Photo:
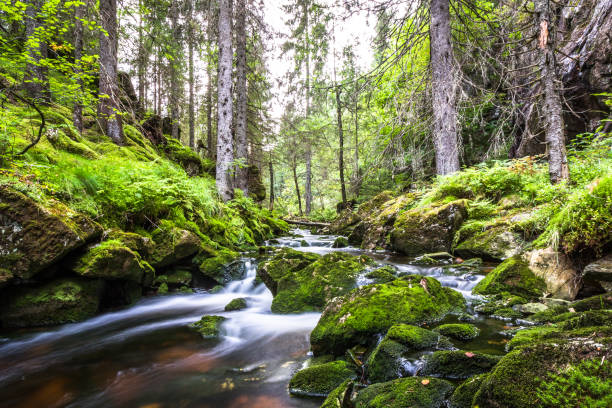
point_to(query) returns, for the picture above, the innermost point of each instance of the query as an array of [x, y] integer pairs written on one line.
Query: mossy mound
[[62, 301], [340, 242], [136, 242], [340, 396], [222, 267], [463, 396], [496, 243], [357, 317], [189, 160], [458, 331], [321, 379], [597, 302], [35, 236], [414, 392], [300, 286], [428, 229], [417, 338], [458, 364], [236, 304], [172, 244], [512, 276], [385, 274], [113, 260], [515, 380], [209, 326]]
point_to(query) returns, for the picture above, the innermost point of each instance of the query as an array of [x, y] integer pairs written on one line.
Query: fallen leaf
[[469, 354], [425, 381]]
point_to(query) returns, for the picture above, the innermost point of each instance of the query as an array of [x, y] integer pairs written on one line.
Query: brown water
[[146, 356]]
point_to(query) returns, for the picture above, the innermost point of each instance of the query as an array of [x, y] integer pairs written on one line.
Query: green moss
[[463, 396], [513, 276], [336, 398], [340, 242], [414, 392], [549, 314], [215, 267], [507, 313], [136, 242], [113, 260], [496, 243], [416, 338], [62, 142], [162, 289], [458, 364], [462, 332], [209, 326], [320, 380], [172, 244], [588, 319], [57, 302], [596, 302], [385, 274], [357, 317], [236, 304]]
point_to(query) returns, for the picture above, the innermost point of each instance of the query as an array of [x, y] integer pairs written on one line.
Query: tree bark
[[241, 99], [443, 89], [308, 149], [271, 171], [77, 112], [558, 168], [357, 183], [297, 185], [190, 25], [141, 60], [36, 75], [108, 105], [174, 74], [209, 89], [225, 150], [341, 142]]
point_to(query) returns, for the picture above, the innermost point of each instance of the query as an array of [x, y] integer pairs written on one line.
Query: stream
[[146, 356]]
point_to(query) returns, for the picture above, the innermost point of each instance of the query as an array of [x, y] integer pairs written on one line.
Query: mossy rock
[[209, 326], [172, 244], [513, 276], [222, 267], [236, 304], [340, 242], [321, 379], [458, 364], [388, 360], [597, 302], [112, 260], [458, 331], [496, 243], [515, 380], [136, 242], [344, 223], [340, 396], [176, 278], [385, 274], [62, 142], [414, 392], [428, 229], [548, 314], [61, 301], [357, 317], [463, 396], [184, 156], [299, 285], [36, 236]]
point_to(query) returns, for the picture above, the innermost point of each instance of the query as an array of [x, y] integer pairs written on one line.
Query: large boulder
[[57, 302], [357, 317], [561, 277], [298, 290], [512, 276], [428, 229], [284, 262], [319, 380], [172, 244], [494, 243], [600, 271], [112, 260], [414, 392], [458, 364], [222, 267], [34, 237]]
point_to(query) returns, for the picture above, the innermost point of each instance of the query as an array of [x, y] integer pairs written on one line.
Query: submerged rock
[[300, 285], [357, 317], [429, 229], [512, 276], [458, 331], [209, 326], [458, 364], [114, 261], [57, 302], [414, 392], [319, 380], [34, 237], [236, 304]]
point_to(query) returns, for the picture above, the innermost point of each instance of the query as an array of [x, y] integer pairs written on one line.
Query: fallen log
[[307, 223]]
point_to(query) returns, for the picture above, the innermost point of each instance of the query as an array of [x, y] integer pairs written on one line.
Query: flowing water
[[146, 355]]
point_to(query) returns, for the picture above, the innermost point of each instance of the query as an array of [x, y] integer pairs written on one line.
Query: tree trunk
[[241, 99], [174, 74], [308, 150], [141, 60], [108, 105], [190, 24], [36, 75], [558, 168], [356, 177], [225, 149], [209, 88], [297, 186], [77, 112], [443, 89], [341, 141], [271, 171]]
